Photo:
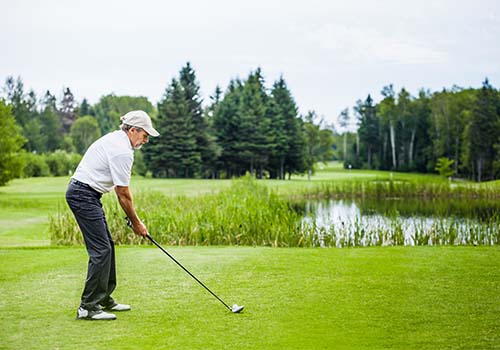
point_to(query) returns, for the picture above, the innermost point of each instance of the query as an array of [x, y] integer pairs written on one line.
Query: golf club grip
[[180, 265]]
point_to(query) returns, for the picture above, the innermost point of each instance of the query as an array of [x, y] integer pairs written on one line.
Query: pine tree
[[175, 152], [205, 142], [51, 124], [66, 111], [85, 109], [284, 126], [16, 99], [255, 139], [368, 130], [387, 111], [344, 120], [227, 128], [483, 132]]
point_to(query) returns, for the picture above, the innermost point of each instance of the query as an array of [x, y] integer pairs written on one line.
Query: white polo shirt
[[107, 162]]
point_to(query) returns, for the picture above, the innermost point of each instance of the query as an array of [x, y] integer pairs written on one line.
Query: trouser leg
[[108, 300], [100, 251], [101, 276]]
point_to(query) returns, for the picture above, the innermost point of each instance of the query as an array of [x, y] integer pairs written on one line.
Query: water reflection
[[359, 222]]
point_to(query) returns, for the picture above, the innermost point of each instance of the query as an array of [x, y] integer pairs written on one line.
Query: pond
[[367, 222]]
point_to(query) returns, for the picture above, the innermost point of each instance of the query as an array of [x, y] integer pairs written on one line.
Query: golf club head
[[236, 309]]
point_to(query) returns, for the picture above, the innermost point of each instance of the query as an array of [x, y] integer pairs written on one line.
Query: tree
[[211, 151], [284, 127], [84, 131], [11, 144], [444, 167], [313, 142], [205, 142], [36, 140], [344, 120], [406, 129], [110, 108], [85, 108], [14, 90], [51, 126], [387, 111], [227, 128], [369, 128], [421, 146], [449, 114], [483, 132], [254, 144], [66, 111], [174, 153]]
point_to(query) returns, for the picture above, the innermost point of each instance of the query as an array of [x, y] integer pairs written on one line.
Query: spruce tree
[[175, 152], [255, 139], [227, 128], [368, 130], [67, 110], [483, 132], [51, 124], [205, 142], [284, 127]]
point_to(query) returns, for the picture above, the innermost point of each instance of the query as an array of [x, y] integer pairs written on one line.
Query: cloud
[[363, 45]]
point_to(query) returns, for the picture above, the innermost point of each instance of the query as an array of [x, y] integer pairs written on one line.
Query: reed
[[393, 187], [249, 213]]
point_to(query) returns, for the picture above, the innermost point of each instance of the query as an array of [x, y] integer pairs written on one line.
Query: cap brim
[[152, 132]]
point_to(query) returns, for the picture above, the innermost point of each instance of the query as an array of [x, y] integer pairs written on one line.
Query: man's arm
[[125, 199]]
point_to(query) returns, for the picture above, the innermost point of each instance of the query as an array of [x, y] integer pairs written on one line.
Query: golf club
[[235, 309]]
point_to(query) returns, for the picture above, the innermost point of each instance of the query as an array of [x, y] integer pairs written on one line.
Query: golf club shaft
[[190, 274]]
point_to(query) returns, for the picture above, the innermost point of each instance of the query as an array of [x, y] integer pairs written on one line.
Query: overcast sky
[[331, 53]]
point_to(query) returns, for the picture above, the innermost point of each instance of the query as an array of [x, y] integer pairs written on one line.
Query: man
[[106, 165]]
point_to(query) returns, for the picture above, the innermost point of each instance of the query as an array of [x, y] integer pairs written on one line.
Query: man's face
[[138, 137]]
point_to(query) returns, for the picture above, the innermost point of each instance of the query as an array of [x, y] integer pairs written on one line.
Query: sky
[[330, 53]]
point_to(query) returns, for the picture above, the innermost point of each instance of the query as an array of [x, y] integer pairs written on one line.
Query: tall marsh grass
[[392, 230], [389, 187], [248, 213], [245, 214]]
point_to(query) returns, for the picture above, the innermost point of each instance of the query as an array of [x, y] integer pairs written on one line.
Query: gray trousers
[[85, 203]]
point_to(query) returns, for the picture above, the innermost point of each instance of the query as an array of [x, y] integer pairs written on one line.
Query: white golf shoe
[[117, 307], [97, 315]]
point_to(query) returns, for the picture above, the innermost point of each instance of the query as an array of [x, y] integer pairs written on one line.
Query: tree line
[[457, 127], [247, 128], [251, 128]]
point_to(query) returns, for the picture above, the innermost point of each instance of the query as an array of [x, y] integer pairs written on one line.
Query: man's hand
[[140, 229]]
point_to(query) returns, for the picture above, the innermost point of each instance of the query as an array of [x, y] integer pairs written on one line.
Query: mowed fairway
[[362, 298], [372, 298]]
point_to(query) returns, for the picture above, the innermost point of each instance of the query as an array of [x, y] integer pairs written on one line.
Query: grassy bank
[[374, 298], [249, 213]]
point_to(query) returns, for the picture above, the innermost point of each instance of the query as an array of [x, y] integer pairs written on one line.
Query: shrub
[[35, 165], [62, 163]]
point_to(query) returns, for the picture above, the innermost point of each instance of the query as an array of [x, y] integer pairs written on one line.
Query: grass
[[35, 199], [249, 213], [372, 298], [443, 297]]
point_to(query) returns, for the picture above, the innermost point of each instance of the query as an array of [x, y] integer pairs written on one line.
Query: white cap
[[141, 120]]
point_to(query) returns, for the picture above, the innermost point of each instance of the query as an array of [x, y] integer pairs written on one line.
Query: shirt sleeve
[[120, 167]]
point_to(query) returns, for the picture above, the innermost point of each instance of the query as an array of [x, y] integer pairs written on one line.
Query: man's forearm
[[127, 204]]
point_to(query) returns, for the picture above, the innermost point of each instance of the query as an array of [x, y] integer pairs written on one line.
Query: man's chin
[[137, 147]]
